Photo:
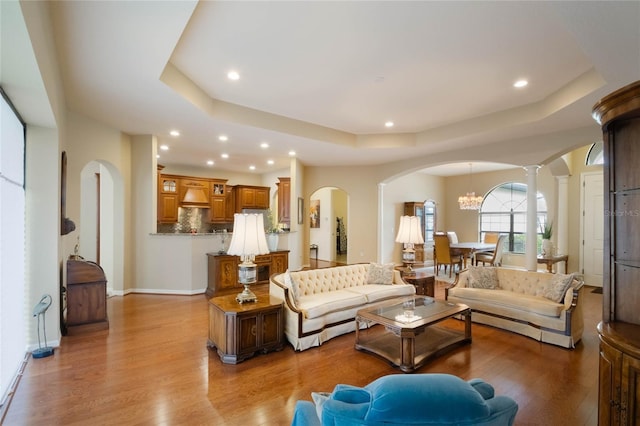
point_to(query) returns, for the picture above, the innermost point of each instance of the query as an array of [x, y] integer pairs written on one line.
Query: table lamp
[[409, 233], [247, 241]]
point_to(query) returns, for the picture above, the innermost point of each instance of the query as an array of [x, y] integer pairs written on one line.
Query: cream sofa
[[520, 302], [321, 304]]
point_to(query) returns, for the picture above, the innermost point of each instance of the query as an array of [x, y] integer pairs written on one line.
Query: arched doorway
[[101, 237], [329, 224]]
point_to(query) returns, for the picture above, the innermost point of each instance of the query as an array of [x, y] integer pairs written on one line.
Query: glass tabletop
[[406, 312]]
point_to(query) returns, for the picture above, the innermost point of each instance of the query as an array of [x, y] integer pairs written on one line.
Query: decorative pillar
[[382, 234], [531, 247], [562, 219]]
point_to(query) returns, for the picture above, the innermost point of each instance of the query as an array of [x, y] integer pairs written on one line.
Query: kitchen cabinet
[[222, 271], [284, 200], [218, 208], [167, 199], [194, 192], [230, 204], [619, 331], [251, 197]]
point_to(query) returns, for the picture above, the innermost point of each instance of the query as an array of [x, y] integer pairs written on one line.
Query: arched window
[[595, 155], [504, 210]]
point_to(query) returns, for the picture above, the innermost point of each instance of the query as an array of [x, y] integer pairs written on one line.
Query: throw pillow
[[380, 273], [293, 286], [319, 398], [557, 286], [483, 277]]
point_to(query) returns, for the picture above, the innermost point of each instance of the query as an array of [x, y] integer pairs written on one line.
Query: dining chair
[[444, 256], [491, 237], [495, 258]]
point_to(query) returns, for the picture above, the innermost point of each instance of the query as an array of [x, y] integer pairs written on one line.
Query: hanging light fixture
[[470, 201]]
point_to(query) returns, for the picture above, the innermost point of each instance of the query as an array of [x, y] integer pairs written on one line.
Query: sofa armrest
[[571, 297], [459, 281], [282, 292], [305, 414]]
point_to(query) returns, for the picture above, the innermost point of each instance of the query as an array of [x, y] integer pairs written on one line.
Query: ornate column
[[562, 218], [531, 247], [382, 233]]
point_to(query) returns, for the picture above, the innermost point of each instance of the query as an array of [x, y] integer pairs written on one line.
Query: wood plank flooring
[[152, 367]]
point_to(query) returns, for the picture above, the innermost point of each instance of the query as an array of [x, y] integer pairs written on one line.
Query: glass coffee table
[[410, 336]]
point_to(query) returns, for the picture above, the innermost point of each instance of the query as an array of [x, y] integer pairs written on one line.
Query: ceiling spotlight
[[270, 162], [157, 155], [520, 83], [174, 133], [210, 162], [388, 124], [164, 147], [224, 155], [292, 153], [223, 138], [264, 145], [233, 75], [252, 167]]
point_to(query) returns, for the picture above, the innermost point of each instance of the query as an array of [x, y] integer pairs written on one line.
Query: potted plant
[[271, 228], [547, 245]]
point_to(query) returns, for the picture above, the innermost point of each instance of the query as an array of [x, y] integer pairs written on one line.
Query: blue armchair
[[420, 399]]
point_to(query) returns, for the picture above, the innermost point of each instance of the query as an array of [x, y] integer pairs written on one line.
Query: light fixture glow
[[264, 145], [270, 162], [224, 155], [389, 124], [470, 201], [233, 75], [210, 162], [292, 153], [520, 83], [164, 147], [252, 167], [223, 138], [157, 155], [174, 133]]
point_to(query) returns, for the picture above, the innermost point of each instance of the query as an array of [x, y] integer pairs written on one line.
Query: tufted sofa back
[[516, 280], [329, 279]]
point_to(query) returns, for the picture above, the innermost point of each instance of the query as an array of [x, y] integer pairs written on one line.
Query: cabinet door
[[168, 208], [271, 328], [609, 382], [248, 334], [227, 272], [246, 198], [279, 262], [230, 204], [630, 410], [262, 198], [218, 212]]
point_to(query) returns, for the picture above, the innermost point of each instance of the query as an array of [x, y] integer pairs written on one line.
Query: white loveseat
[[322, 303], [521, 302]]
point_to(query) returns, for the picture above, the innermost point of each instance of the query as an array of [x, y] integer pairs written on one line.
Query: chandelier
[[470, 201]]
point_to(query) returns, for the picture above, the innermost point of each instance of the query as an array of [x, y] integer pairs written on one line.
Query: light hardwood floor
[[152, 367]]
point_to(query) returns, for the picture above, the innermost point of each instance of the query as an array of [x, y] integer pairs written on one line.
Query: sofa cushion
[[319, 398], [380, 273], [291, 284], [557, 286], [483, 277], [524, 302], [316, 305], [375, 292]]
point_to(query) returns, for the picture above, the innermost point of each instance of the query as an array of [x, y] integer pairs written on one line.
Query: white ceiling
[[321, 78]]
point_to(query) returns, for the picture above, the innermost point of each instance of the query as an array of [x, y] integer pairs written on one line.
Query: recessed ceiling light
[[157, 155], [224, 155], [164, 147], [264, 145], [174, 133], [388, 124], [520, 83], [210, 162], [223, 138], [292, 153], [233, 75], [270, 162], [252, 167]]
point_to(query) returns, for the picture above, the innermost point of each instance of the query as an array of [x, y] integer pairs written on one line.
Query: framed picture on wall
[[314, 214]]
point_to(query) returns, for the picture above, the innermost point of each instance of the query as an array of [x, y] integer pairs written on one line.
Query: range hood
[[195, 196]]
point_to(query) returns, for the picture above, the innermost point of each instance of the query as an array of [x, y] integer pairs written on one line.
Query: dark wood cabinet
[[238, 331], [230, 204], [284, 200], [251, 197], [86, 297], [167, 198], [222, 271], [218, 208], [619, 331]]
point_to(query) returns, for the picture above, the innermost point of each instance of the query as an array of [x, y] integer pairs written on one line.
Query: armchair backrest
[[497, 254]]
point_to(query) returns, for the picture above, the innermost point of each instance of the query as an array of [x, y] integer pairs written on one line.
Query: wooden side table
[[423, 281], [239, 331], [551, 260]]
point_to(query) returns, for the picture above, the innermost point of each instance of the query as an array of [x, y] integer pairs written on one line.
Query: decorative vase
[[272, 241], [547, 248]]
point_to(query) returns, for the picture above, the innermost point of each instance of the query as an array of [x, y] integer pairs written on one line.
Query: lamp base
[[42, 352], [246, 296], [409, 272]]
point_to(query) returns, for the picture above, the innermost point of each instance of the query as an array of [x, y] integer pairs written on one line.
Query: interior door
[[592, 228]]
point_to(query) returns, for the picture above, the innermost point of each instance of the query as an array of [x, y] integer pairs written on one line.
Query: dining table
[[469, 249]]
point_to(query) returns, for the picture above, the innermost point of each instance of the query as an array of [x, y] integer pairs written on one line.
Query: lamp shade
[[248, 237], [409, 231]]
